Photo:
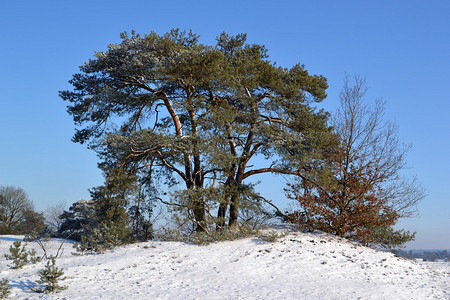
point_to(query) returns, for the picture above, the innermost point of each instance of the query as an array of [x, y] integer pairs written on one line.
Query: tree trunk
[[223, 206], [199, 215], [234, 208], [221, 215], [236, 194], [198, 203]]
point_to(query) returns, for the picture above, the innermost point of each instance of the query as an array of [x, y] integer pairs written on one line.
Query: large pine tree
[[168, 109]]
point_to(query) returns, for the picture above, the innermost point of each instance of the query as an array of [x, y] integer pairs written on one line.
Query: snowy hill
[[296, 266]]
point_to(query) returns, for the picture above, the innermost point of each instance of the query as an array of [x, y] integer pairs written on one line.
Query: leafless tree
[[370, 143], [363, 191], [52, 216], [14, 203]]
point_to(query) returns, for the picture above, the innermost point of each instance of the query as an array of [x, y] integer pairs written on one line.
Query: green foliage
[[50, 277], [111, 199], [192, 113], [206, 238], [32, 221], [170, 235], [141, 227], [271, 236], [82, 247], [76, 219], [103, 222], [116, 215], [103, 237], [389, 238], [4, 288], [20, 256], [181, 206], [252, 213]]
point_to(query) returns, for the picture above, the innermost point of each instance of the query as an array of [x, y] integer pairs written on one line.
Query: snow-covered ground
[[296, 266]]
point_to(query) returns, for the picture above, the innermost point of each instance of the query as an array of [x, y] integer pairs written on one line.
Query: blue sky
[[401, 47]]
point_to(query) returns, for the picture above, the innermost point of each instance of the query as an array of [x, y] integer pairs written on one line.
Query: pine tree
[[50, 276], [196, 114]]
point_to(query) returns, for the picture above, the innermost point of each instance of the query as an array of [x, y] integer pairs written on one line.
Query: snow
[[296, 266]]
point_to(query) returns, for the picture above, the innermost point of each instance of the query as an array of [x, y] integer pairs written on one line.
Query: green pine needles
[[20, 256], [99, 239], [194, 116], [50, 276], [4, 289]]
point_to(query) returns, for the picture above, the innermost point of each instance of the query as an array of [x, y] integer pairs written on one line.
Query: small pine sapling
[[50, 276], [4, 288], [20, 256], [82, 247]]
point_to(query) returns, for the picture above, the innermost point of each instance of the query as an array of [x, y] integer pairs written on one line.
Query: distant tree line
[[18, 216], [426, 255]]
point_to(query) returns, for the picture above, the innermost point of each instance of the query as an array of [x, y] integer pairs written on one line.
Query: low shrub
[[206, 238], [271, 236]]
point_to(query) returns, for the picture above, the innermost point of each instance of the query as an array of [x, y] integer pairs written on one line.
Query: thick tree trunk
[[199, 215], [234, 208], [198, 203], [236, 194], [223, 206]]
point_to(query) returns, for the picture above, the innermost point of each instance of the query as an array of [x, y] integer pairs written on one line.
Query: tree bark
[[234, 209], [236, 194], [199, 205]]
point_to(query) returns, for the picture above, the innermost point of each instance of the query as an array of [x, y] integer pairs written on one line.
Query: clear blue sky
[[402, 48]]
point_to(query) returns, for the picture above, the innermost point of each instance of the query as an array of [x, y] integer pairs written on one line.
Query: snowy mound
[[296, 266]]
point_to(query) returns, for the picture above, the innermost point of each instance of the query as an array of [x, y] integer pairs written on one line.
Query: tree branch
[[170, 166]]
